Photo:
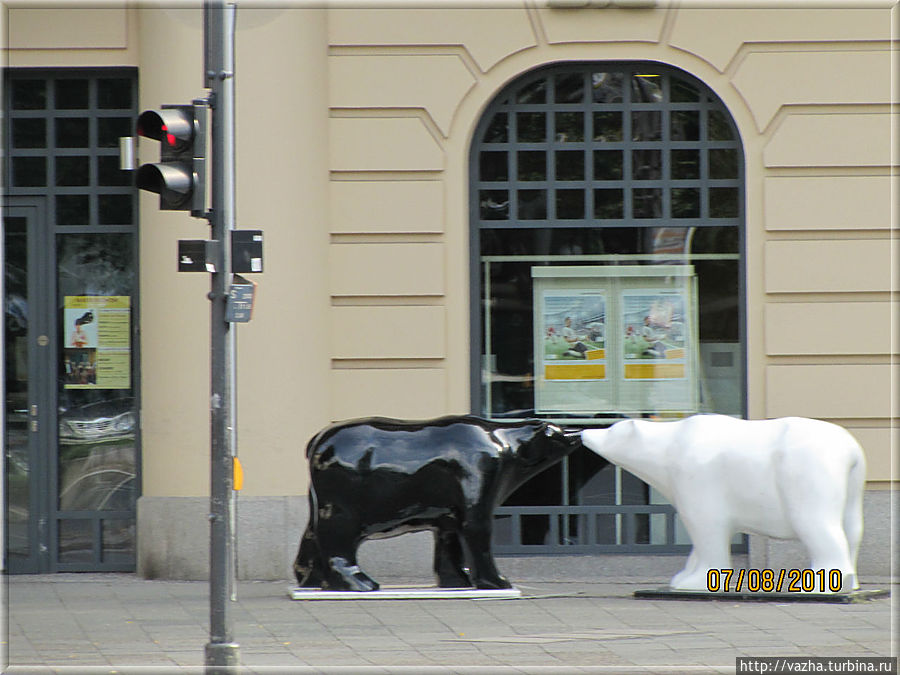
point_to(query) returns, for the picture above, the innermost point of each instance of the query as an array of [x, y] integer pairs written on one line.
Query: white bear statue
[[788, 478]]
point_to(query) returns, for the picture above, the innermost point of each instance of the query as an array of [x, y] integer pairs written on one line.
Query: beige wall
[[99, 36], [283, 353], [353, 137], [810, 92], [174, 310]]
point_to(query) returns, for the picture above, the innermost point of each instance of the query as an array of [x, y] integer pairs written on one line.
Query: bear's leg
[[449, 556], [818, 519], [308, 563], [711, 550], [852, 520], [689, 568], [828, 550], [345, 575], [477, 535], [338, 541], [853, 530]]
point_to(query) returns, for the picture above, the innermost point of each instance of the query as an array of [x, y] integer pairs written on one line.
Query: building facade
[[572, 210]]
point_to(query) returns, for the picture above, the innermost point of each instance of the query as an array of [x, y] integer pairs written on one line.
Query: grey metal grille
[[613, 145], [62, 141], [580, 529]]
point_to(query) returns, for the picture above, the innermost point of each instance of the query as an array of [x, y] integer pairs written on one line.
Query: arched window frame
[[677, 159]]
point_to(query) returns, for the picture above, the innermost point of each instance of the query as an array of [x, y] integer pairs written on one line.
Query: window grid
[[62, 136], [641, 162]]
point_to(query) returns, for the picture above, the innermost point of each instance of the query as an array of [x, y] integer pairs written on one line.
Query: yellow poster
[[97, 347]]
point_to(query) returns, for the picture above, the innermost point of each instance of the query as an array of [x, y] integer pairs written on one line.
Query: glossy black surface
[[379, 477]]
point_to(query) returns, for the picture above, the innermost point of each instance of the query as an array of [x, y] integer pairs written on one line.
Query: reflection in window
[[114, 93], [646, 125], [494, 166], [646, 164], [685, 164], [531, 127], [71, 94], [97, 459], [569, 204], [72, 132], [29, 133], [73, 210], [607, 126], [607, 87], [532, 165], [498, 130], [569, 165], [18, 462], [569, 127], [73, 170], [29, 172], [28, 94], [532, 204], [685, 125]]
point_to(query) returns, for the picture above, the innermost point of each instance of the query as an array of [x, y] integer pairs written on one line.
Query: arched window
[[607, 210]]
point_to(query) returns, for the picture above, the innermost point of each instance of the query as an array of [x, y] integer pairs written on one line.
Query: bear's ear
[[550, 430]]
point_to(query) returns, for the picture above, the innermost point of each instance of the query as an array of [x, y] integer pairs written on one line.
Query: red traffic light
[[173, 126], [170, 138], [179, 176]]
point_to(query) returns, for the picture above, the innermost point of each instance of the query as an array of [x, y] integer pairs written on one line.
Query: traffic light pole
[[222, 652]]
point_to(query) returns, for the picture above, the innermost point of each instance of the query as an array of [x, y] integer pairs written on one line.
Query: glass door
[[70, 446], [28, 400], [96, 471]]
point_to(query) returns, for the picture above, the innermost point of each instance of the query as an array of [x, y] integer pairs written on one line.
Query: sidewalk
[[119, 623]]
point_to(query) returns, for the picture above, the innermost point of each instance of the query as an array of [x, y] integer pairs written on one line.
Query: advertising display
[[97, 347], [615, 339]]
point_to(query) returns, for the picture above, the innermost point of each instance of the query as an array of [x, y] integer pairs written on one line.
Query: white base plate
[[406, 593]]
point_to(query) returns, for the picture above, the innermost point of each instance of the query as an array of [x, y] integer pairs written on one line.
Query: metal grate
[[607, 145], [577, 529], [62, 141]]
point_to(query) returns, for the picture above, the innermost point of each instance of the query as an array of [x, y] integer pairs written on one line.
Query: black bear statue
[[375, 477]]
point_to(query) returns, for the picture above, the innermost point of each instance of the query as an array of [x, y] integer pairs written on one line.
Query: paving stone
[[120, 622]]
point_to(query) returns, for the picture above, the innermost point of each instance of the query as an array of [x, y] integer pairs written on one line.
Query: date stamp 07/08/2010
[[770, 581]]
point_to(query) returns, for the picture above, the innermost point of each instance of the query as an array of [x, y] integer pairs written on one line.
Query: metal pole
[[222, 652]]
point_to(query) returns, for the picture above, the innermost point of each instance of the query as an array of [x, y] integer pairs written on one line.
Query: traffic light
[[179, 178]]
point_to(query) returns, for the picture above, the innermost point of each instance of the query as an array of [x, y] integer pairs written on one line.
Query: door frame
[[41, 397], [51, 220]]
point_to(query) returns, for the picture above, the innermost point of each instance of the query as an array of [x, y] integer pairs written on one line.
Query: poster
[[97, 341], [654, 344], [571, 346], [574, 335]]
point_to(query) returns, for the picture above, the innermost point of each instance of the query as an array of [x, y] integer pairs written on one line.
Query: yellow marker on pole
[[238, 479]]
